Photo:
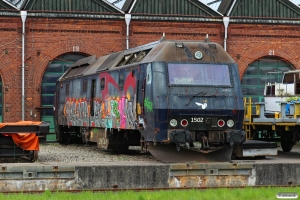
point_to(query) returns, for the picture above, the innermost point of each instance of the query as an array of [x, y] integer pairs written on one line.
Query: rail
[[147, 189]]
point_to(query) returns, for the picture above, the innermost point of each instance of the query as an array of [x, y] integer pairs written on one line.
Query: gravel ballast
[[54, 152]]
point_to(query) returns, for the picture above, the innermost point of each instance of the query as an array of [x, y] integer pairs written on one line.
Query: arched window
[[259, 73], [55, 69]]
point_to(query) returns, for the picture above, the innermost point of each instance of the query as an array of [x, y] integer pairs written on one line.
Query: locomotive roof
[[162, 50]]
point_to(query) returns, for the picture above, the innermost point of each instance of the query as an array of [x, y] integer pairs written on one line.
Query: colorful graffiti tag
[[108, 111], [148, 105]]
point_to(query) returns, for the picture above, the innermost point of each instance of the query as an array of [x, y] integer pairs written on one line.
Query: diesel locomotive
[[179, 100]]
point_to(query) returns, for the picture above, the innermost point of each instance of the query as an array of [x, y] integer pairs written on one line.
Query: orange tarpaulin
[[26, 141]]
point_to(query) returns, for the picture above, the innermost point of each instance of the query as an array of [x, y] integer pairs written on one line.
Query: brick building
[[262, 36]]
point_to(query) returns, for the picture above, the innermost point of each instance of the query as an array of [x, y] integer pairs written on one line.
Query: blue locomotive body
[[165, 92]]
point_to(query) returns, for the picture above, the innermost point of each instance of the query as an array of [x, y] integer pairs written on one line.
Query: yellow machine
[[270, 126]]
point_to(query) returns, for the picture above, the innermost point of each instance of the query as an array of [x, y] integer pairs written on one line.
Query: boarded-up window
[[121, 81], [67, 88], [102, 83], [84, 86]]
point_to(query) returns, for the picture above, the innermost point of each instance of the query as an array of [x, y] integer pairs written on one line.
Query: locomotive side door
[[145, 102], [140, 95], [92, 107], [55, 108], [149, 103]]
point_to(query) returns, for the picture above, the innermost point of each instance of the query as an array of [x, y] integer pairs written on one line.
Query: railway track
[[76, 154], [152, 176], [115, 189]]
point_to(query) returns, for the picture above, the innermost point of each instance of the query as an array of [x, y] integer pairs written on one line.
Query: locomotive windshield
[[199, 74]]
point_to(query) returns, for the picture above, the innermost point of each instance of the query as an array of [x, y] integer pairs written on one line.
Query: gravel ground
[[54, 152], [76, 153]]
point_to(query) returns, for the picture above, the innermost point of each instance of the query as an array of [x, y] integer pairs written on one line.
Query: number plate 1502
[[197, 119]]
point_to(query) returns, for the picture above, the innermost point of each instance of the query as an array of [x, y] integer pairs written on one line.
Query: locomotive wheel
[[62, 135], [33, 155], [286, 145]]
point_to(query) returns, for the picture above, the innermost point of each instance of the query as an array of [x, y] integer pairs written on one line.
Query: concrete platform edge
[[54, 176]]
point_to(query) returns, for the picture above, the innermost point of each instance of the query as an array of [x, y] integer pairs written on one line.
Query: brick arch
[[288, 55], [57, 50], [41, 63]]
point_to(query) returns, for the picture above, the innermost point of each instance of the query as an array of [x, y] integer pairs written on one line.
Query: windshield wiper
[[200, 93], [204, 95]]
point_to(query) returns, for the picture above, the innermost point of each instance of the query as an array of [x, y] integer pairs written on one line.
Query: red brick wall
[[247, 43], [10, 66], [47, 38], [143, 32]]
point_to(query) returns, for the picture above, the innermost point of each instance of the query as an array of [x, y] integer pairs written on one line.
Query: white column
[[127, 19], [23, 16], [226, 22]]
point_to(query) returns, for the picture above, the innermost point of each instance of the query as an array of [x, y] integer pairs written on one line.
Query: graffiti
[[148, 104], [108, 121], [115, 114], [122, 109], [130, 115], [188, 53], [102, 141], [76, 112], [107, 112], [138, 109], [203, 106], [142, 123], [226, 90], [211, 51], [115, 110], [111, 113]]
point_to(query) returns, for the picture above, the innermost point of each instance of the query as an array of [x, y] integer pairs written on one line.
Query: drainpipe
[[23, 16], [127, 19], [226, 22]]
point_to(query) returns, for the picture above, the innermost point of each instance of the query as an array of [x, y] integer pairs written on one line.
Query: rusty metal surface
[[43, 127], [208, 181], [222, 168], [274, 170], [211, 174], [167, 153], [162, 50], [12, 172], [115, 189], [166, 50], [32, 176]]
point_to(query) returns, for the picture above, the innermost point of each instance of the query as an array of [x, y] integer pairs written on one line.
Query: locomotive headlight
[[208, 121], [184, 122], [198, 55], [230, 123], [221, 122], [173, 122]]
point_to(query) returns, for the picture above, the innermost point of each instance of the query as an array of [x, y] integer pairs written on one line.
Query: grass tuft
[[248, 193]]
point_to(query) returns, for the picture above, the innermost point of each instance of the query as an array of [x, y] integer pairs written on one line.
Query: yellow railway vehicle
[[277, 119]]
